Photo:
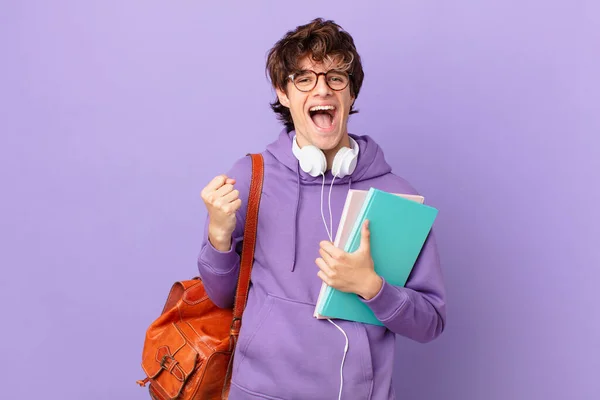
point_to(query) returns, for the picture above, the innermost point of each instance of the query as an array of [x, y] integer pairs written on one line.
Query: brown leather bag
[[188, 350]]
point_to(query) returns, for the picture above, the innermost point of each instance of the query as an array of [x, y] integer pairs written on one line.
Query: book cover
[[399, 226]]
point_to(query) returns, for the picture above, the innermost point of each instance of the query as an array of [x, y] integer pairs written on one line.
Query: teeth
[[322, 108]]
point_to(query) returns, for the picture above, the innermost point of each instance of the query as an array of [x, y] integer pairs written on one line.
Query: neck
[[330, 154]]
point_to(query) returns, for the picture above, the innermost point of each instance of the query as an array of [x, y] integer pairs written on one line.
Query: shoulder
[[241, 170], [402, 184], [389, 182]]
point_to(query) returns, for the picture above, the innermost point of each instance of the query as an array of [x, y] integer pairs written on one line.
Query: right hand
[[222, 202]]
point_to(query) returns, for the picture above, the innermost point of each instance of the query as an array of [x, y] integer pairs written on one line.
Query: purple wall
[[113, 116]]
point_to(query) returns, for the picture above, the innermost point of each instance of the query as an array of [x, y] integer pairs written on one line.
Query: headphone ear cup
[[312, 160], [338, 168], [344, 162]]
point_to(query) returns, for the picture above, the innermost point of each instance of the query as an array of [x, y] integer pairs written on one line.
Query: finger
[[230, 181], [334, 252], [324, 267], [232, 207], [365, 237], [326, 257], [231, 196], [216, 183], [223, 190], [324, 278], [237, 204]]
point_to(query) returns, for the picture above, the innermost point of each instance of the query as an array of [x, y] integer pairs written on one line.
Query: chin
[[326, 139]]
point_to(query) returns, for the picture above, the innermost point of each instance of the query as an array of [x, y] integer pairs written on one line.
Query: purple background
[[114, 115]]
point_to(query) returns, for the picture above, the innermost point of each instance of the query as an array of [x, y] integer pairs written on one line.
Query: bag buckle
[[235, 326], [167, 358]]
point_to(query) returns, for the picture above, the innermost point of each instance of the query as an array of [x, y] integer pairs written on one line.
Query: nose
[[322, 88]]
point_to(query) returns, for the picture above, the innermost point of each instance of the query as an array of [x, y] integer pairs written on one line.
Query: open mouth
[[322, 116]]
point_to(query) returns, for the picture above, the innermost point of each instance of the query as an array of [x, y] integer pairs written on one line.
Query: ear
[[283, 99]]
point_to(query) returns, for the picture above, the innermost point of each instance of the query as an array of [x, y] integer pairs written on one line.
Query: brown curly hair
[[322, 40]]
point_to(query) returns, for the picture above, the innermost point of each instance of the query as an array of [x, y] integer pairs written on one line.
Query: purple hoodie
[[284, 352]]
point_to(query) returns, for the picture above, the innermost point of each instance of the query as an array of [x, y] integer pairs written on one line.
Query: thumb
[[365, 237]]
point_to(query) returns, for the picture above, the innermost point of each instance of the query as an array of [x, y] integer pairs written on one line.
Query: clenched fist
[[222, 202]]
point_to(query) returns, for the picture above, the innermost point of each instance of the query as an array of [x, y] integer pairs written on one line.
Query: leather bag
[[188, 350]]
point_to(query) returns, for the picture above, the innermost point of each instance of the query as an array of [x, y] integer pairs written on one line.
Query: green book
[[399, 225]]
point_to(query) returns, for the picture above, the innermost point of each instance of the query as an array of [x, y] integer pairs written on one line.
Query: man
[[284, 352]]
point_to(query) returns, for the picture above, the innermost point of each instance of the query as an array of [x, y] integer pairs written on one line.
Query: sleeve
[[417, 310], [218, 269]]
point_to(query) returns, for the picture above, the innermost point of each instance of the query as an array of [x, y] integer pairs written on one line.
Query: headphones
[[313, 161]]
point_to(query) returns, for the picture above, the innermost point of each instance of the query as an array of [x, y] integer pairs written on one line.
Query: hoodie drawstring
[[296, 211]]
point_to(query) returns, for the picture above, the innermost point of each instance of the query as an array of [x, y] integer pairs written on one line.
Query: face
[[326, 128]]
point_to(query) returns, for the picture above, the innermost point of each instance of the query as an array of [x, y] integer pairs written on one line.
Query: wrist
[[372, 286], [219, 239]]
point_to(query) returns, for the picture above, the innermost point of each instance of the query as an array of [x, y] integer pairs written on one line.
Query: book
[[352, 207], [399, 225]]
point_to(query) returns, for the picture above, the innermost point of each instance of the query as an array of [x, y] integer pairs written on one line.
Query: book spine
[[354, 236]]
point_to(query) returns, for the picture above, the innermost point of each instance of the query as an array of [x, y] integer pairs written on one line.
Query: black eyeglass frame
[[318, 74]]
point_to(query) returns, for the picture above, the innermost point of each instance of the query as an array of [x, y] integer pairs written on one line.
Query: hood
[[370, 164]]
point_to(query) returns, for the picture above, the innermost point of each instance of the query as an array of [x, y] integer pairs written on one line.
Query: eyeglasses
[[306, 80]]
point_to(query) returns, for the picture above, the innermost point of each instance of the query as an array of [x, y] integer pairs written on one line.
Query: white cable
[[330, 213], [329, 233], [343, 359], [323, 215]]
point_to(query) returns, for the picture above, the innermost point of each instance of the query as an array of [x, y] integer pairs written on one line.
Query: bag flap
[[171, 360]]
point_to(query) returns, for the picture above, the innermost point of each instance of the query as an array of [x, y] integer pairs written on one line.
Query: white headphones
[[312, 159]]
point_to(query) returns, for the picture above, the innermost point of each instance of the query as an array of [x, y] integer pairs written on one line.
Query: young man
[[284, 352]]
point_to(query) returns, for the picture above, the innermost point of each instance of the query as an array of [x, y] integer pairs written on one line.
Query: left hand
[[350, 272]]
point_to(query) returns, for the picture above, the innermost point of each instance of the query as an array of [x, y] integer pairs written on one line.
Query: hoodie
[[283, 352]]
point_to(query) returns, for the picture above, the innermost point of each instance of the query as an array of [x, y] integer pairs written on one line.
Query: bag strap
[[248, 245]]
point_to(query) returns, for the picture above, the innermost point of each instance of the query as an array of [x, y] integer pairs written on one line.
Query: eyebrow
[[329, 70]]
